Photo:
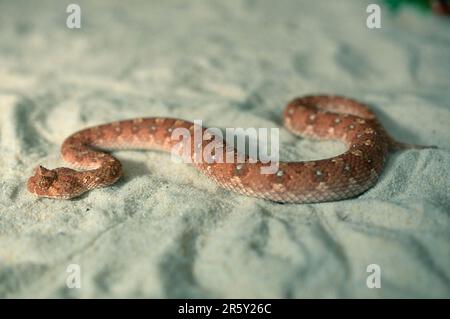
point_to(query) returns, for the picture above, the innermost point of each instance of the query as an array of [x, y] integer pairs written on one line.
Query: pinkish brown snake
[[319, 116]]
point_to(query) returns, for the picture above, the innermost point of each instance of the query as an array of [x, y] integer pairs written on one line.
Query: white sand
[[166, 231]]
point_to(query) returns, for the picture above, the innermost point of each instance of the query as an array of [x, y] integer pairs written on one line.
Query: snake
[[320, 117]]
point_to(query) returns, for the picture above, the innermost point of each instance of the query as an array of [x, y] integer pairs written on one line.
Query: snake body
[[318, 116]]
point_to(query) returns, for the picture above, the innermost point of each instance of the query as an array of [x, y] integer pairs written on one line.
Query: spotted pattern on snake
[[316, 116]]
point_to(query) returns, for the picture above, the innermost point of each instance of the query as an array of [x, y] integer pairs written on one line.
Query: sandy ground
[[165, 230]]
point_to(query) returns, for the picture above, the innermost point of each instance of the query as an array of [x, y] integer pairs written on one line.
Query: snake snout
[[41, 181]]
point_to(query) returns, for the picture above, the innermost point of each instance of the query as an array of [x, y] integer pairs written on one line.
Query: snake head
[[41, 181], [50, 182]]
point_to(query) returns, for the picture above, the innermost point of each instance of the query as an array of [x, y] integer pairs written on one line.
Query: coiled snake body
[[319, 116]]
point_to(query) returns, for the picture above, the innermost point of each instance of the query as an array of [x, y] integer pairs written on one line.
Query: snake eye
[[45, 182]]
